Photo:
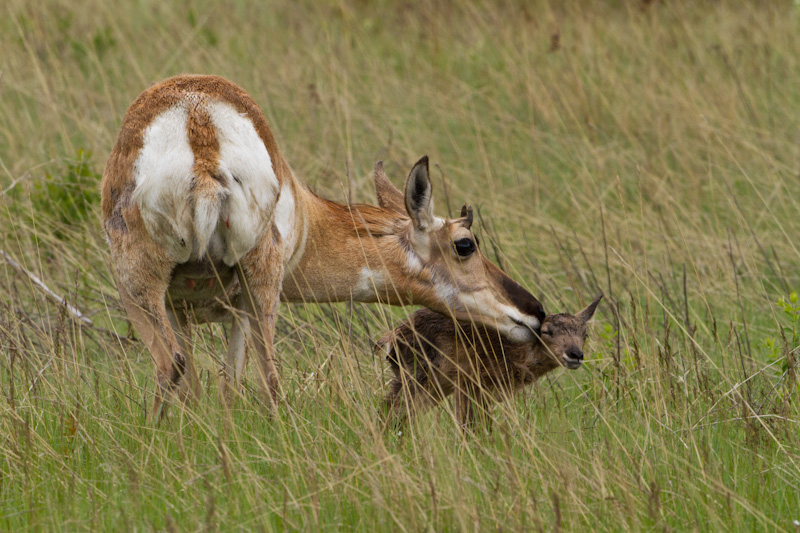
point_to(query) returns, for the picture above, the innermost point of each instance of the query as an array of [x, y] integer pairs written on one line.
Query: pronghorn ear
[[587, 314], [466, 214], [389, 196], [418, 195]]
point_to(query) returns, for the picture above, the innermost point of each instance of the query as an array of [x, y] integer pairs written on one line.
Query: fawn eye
[[464, 247], [547, 333]]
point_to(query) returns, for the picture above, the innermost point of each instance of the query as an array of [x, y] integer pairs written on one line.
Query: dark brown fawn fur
[[433, 356]]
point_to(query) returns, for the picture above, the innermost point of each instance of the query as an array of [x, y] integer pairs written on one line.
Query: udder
[[203, 286]]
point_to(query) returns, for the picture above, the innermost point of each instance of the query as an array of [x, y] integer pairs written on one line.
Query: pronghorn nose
[[522, 299], [574, 353]]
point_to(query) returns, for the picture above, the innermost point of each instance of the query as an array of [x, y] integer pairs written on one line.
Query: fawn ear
[[587, 314], [389, 196], [418, 195], [466, 215]]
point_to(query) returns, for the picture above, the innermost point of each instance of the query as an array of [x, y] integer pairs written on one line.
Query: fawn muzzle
[[572, 358]]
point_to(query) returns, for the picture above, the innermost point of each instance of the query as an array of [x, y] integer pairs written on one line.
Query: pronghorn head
[[445, 267], [563, 335]]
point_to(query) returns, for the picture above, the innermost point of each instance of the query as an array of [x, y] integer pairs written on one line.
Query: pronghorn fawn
[[207, 222], [433, 356]]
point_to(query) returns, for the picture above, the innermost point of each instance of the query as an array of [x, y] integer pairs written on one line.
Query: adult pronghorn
[[207, 221]]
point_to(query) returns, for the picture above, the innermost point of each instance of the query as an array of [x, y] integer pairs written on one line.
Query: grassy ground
[[648, 151]]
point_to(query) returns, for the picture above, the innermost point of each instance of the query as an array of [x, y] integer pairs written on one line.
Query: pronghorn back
[[197, 158]]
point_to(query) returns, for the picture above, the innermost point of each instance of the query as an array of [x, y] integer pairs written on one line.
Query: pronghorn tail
[[208, 194]]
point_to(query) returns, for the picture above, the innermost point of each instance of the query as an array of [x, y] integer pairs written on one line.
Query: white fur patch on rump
[[163, 176], [252, 184], [231, 224]]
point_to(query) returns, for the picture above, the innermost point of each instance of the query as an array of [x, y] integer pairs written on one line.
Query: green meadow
[[646, 150]]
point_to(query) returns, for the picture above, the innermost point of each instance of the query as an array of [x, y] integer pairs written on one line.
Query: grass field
[[646, 150]]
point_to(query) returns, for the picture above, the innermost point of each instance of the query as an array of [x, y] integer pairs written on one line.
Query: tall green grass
[[645, 150]]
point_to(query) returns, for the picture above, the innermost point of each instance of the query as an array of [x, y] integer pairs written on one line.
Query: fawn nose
[[574, 353]]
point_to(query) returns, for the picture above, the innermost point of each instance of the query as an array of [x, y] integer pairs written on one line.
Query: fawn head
[[563, 335]]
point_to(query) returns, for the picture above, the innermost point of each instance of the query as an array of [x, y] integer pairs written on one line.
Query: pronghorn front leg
[[409, 401], [471, 403], [261, 275]]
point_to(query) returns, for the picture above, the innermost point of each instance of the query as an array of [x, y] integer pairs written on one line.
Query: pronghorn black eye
[[464, 247]]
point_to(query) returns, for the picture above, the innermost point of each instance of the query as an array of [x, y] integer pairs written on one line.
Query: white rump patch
[[163, 176], [247, 168]]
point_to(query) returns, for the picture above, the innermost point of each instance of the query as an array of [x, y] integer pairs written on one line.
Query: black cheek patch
[[522, 299]]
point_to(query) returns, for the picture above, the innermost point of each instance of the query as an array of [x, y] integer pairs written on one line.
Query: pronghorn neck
[[357, 252]]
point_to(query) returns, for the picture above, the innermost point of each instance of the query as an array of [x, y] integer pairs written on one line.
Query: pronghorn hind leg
[[189, 388], [237, 351], [260, 274], [147, 312]]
